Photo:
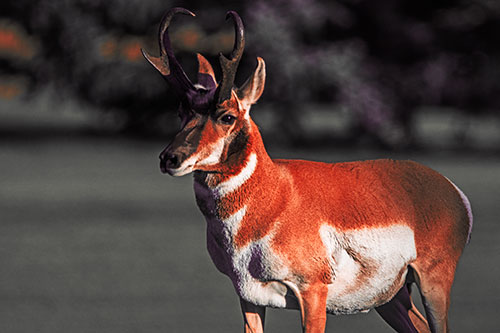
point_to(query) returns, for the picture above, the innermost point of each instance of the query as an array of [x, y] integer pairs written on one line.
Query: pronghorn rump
[[339, 238]]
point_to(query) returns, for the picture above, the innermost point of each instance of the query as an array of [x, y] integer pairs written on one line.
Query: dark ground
[[94, 239]]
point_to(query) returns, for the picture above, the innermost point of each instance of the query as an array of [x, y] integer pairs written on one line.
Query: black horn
[[167, 64], [229, 66]]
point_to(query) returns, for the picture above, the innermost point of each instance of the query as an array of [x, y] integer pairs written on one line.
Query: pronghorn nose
[[169, 160], [172, 161]]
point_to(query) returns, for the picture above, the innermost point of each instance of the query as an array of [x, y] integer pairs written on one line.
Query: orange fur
[[280, 228]]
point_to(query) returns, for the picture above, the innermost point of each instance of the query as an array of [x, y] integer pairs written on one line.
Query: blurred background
[[94, 239]]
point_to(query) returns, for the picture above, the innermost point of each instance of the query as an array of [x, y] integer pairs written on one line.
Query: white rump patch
[[365, 264], [233, 183], [468, 207]]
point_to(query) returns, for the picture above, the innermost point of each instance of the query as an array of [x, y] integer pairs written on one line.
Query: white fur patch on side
[[236, 181], [338, 257], [365, 263], [468, 207]]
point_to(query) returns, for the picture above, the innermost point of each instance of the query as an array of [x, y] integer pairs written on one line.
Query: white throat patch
[[236, 181]]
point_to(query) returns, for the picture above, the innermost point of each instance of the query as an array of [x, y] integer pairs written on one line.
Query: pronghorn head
[[214, 115]]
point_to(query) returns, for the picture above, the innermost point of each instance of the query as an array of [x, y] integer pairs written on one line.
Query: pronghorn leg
[[435, 287], [436, 303], [314, 302], [401, 314], [418, 319], [254, 317]]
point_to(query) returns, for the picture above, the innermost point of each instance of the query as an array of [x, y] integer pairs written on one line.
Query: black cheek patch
[[238, 143]]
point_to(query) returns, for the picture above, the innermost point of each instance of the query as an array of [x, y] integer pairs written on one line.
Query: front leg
[[314, 308], [254, 317]]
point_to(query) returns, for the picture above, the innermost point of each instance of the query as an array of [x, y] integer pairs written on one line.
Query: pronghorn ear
[[252, 89], [206, 76]]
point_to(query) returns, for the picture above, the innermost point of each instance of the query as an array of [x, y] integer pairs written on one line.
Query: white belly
[[369, 265]]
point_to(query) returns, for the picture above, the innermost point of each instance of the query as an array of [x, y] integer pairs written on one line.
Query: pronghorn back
[[318, 237], [382, 192]]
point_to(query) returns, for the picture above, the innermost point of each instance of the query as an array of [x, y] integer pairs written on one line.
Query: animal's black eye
[[228, 119]]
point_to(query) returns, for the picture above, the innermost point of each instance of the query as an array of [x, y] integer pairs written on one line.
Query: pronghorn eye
[[228, 119]]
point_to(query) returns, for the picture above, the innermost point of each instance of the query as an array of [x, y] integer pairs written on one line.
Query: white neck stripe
[[233, 183]]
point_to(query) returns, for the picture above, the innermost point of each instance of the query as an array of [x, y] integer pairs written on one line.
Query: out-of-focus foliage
[[377, 61], [90, 49], [380, 60]]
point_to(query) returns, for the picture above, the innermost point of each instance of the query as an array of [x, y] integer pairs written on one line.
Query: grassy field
[[94, 239]]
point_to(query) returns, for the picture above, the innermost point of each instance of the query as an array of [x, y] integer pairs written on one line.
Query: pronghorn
[[321, 238]]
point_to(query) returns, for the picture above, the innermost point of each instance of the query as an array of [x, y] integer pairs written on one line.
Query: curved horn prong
[[158, 62], [163, 37], [229, 66], [167, 64]]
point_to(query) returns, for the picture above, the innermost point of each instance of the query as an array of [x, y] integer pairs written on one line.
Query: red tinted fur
[[292, 199], [318, 237], [301, 195]]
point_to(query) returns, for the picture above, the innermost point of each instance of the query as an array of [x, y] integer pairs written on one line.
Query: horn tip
[[145, 53], [230, 14], [183, 11], [223, 59]]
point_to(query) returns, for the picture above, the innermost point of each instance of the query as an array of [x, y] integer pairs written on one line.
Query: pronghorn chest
[[223, 223], [253, 268]]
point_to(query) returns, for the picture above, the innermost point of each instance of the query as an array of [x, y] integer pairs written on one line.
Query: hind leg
[[436, 302], [401, 314], [435, 287], [418, 320]]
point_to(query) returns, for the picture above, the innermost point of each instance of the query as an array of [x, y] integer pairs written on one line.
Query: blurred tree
[[378, 60], [90, 49], [381, 60], [430, 53]]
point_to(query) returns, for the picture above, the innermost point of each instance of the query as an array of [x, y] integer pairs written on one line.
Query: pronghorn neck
[[220, 195], [248, 156]]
